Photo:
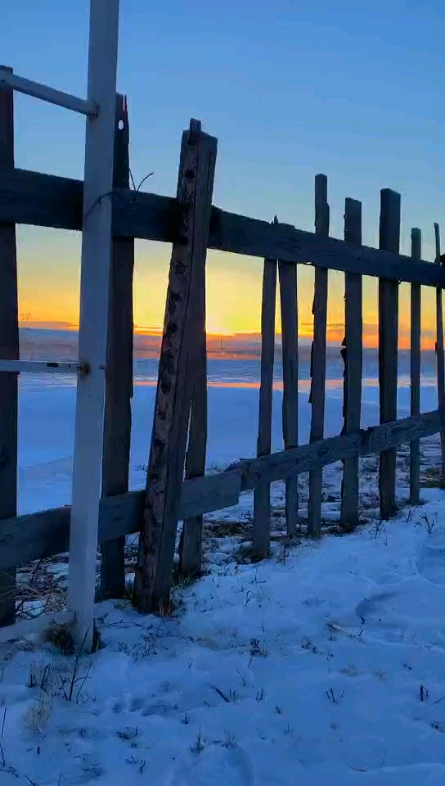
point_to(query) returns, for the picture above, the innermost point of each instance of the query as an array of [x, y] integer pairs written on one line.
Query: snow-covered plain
[[323, 665]]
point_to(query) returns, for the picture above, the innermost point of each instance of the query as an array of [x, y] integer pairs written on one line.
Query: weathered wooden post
[[289, 353], [9, 350], [318, 357], [119, 376], [261, 494], [174, 392], [353, 353], [190, 547], [388, 346], [440, 364], [414, 456]]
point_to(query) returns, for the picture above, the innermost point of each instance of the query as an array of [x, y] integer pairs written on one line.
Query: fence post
[[190, 546], [388, 346], [352, 354], [261, 494], [174, 392], [9, 350], [440, 355], [414, 456], [318, 357], [289, 342], [119, 376]]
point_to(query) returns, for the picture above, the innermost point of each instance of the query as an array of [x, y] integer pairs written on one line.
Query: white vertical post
[[94, 299]]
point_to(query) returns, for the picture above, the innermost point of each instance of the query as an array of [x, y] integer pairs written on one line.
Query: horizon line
[[150, 332]]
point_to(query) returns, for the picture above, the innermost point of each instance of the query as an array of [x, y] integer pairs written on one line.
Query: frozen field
[[46, 420]]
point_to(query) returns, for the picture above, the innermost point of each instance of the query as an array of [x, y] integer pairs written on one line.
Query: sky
[[351, 89]]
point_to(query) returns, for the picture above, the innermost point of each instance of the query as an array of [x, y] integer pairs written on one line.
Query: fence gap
[[415, 356], [318, 357], [190, 547], [439, 355], [174, 392], [388, 347], [353, 356], [261, 495], [9, 350], [119, 376], [289, 355]]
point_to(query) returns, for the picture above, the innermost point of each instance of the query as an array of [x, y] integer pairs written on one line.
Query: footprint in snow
[[374, 608], [215, 765], [431, 563]]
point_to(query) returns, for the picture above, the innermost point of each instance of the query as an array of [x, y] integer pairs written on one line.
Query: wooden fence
[[177, 487]]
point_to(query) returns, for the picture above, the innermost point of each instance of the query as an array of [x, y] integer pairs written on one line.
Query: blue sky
[[352, 89]]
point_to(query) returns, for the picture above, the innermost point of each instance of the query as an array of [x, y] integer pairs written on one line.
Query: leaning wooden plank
[[44, 534], [415, 355], [119, 378], [440, 355], [190, 547], [261, 496], [9, 350], [388, 346], [289, 341], [318, 357], [353, 353], [48, 200], [173, 396]]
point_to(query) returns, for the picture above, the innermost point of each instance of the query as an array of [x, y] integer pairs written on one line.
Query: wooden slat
[[414, 460], [365, 442], [9, 350], [388, 346], [119, 378], [174, 392], [190, 547], [45, 93], [353, 354], [318, 357], [48, 200], [289, 340], [44, 534], [440, 354], [261, 497]]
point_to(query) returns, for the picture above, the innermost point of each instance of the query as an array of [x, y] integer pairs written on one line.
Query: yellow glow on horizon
[[49, 293]]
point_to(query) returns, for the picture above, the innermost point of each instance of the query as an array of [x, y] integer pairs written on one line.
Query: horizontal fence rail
[[56, 202], [40, 535], [41, 367], [48, 94]]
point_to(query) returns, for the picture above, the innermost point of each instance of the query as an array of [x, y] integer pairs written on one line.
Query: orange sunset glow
[[49, 294]]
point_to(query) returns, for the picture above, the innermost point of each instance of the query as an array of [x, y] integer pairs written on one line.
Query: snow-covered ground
[[323, 665]]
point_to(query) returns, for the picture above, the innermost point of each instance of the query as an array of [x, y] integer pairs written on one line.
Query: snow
[[309, 668], [46, 428], [323, 665]]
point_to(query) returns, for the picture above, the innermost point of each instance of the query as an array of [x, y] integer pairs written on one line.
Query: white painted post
[[94, 299]]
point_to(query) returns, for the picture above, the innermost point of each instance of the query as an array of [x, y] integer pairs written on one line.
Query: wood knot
[[180, 269]]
